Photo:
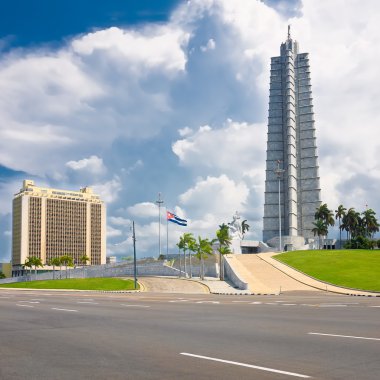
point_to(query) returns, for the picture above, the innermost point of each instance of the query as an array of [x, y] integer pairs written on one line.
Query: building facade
[[50, 223], [292, 160]]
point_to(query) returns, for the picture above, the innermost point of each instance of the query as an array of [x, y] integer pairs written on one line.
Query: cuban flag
[[175, 219]]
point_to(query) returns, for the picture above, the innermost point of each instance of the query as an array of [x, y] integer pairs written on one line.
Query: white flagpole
[[159, 202], [167, 235]]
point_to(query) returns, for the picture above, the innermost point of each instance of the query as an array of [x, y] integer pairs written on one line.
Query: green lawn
[[358, 269], [77, 284]]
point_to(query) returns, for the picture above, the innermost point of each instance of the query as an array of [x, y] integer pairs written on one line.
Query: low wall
[[232, 275]]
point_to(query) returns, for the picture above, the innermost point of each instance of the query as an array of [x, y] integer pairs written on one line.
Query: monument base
[[289, 243]]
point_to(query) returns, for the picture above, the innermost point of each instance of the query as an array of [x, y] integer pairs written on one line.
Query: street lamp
[[159, 203], [278, 173], [134, 254]]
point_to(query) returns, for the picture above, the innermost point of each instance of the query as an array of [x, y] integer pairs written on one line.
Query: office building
[[49, 223]]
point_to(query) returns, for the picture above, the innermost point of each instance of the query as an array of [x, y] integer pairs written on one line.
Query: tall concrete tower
[[293, 193]]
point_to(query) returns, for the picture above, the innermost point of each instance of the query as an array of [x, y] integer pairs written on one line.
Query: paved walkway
[[263, 278], [172, 285]]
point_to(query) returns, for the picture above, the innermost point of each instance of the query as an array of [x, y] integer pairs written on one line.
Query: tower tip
[[289, 32]]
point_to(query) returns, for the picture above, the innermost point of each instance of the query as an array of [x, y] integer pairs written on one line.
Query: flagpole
[[167, 235], [159, 202]]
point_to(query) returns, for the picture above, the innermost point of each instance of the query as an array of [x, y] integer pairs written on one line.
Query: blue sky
[[140, 97]]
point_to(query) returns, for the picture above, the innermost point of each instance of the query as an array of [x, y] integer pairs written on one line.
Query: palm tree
[[67, 261], [186, 243], [181, 246], [351, 222], [28, 264], [56, 261], [36, 262], [370, 223], [340, 212], [320, 229], [84, 259], [203, 249], [326, 215], [224, 240], [244, 227]]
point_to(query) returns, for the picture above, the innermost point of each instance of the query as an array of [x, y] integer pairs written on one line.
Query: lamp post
[[159, 203], [134, 254], [278, 173]]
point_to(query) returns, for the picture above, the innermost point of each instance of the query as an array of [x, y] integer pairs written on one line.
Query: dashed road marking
[[247, 365], [134, 305], [22, 305], [56, 308], [88, 302], [212, 302], [29, 301], [344, 336]]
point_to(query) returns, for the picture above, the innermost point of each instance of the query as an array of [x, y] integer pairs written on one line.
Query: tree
[[84, 259], [320, 229], [324, 214], [56, 261], [370, 223], [203, 249], [340, 212], [223, 237], [2, 275], [67, 261], [186, 243], [28, 264], [244, 227], [36, 262]]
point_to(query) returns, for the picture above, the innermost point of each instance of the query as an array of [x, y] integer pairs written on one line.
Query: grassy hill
[[358, 269]]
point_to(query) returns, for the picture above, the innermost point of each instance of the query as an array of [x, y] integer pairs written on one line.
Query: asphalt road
[[77, 335]]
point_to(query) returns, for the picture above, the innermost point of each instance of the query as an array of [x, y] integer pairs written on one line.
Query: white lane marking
[[256, 303], [30, 301], [289, 304], [90, 302], [134, 305], [4, 297], [279, 301], [213, 302], [344, 336], [179, 301], [270, 303], [24, 305], [240, 301], [374, 306], [247, 365], [56, 308], [330, 305], [37, 299]]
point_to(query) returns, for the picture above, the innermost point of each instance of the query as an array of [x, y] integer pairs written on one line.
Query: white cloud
[[154, 46], [234, 148], [108, 191], [143, 210], [220, 196], [113, 232], [92, 164], [119, 221]]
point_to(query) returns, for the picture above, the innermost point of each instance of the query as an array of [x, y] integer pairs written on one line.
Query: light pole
[[159, 203], [134, 254], [278, 173]]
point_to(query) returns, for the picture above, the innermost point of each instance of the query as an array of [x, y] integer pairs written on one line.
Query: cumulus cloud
[[144, 209], [209, 46], [108, 191], [91, 164]]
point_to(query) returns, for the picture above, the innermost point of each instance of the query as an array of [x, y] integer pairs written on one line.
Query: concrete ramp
[[262, 277]]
